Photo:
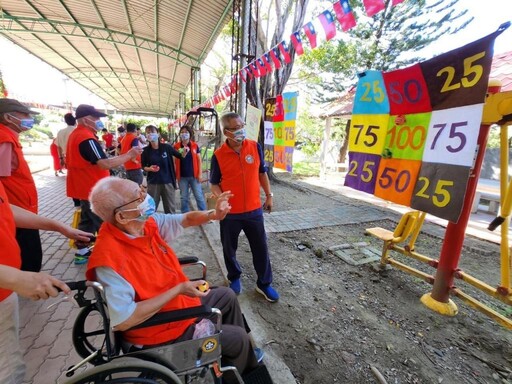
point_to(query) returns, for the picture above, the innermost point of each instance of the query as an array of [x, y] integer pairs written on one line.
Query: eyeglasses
[[235, 128], [142, 196]]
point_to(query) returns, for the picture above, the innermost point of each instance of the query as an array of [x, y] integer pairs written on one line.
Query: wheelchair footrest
[[259, 375]]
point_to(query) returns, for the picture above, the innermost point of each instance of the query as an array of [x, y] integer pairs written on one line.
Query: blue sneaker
[[258, 352], [82, 259], [269, 293], [236, 286]]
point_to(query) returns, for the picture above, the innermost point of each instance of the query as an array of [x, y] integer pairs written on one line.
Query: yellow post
[[506, 199]]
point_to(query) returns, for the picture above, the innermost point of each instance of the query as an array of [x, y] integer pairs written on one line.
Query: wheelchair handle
[[76, 285]]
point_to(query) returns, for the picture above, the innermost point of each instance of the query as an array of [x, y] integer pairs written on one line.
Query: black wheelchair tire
[[81, 341], [136, 371]]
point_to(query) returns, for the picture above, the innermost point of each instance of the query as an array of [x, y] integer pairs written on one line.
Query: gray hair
[[108, 194], [228, 116]]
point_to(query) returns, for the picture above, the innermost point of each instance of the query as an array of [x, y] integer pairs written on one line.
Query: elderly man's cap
[[11, 105], [87, 110]]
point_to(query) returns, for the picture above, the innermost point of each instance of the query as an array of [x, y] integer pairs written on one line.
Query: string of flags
[[279, 55]]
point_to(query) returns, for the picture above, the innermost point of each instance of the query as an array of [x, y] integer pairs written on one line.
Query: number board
[[280, 130], [268, 138], [414, 131]]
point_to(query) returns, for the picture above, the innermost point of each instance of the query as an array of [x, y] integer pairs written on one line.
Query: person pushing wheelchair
[[142, 275]]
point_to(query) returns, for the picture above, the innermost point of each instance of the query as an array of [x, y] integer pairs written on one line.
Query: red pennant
[[344, 14], [266, 61], [261, 67], [297, 43], [274, 55], [310, 31], [227, 91], [283, 47], [327, 22], [373, 6], [396, 2], [254, 69]]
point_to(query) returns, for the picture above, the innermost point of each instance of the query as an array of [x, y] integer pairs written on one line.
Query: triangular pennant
[[283, 48], [274, 55]]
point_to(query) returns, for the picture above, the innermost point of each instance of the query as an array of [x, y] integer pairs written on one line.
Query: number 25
[[470, 69]]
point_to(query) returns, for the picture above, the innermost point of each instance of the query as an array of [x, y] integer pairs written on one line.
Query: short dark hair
[[69, 119], [152, 128], [120, 129], [104, 130], [228, 116], [130, 127]]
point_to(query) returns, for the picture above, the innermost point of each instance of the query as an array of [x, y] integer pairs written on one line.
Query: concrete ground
[[46, 333]]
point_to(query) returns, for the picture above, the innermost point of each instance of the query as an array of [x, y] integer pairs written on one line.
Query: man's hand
[[222, 207], [134, 152], [38, 285], [190, 288], [267, 206]]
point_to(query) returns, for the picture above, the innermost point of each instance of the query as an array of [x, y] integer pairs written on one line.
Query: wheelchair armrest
[[188, 260], [177, 315]]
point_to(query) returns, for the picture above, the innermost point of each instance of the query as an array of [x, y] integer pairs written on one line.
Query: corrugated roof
[[502, 70], [135, 54]]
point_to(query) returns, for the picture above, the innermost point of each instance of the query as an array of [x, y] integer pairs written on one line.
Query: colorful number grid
[[414, 131], [279, 125]]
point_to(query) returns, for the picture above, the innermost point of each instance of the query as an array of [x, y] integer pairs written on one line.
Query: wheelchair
[[190, 361]]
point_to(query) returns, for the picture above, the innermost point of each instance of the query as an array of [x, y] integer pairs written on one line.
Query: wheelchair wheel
[[127, 371], [89, 334]]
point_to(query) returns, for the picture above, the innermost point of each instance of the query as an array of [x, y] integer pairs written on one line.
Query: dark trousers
[[236, 346], [254, 229], [89, 222], [31, 250], [135, 175]]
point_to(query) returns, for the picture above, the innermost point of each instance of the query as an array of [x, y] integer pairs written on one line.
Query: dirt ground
[[337, 323]]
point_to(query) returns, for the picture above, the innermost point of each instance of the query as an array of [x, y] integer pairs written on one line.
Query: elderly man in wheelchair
[[142, 281]]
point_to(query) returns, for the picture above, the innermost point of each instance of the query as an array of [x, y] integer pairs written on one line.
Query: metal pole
[[194, 72], [242, 90], [439, 298]]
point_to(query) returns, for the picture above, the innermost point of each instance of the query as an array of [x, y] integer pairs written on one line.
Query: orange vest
[[126, 144], [82, 175], [20, 186], [194, 149], [240, 175], [151, 267], [9, 248]]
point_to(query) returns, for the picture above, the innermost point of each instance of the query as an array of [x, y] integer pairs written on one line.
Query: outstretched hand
[[222, 207], [76, 234]]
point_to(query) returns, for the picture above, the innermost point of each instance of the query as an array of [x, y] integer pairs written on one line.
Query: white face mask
[[238, 136]]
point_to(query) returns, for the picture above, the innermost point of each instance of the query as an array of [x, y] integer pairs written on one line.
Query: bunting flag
[[344, 15], [373, 6], [396, 2], [283, 48], [227, 91], [248, 72], [327, 22], [254, 68], [274, 55], [297, 43], [266, 61], [261, 67], [233, 86], [309, 30]]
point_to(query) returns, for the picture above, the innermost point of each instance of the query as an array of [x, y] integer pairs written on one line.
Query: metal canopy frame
[[137, 55]]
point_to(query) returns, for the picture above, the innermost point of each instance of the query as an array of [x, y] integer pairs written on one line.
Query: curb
[[277, 368]]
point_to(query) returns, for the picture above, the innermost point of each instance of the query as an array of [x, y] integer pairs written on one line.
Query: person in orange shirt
[[238, 166], [133, 166], [14, 282], [142, 275], [87, 164], [17, 178]]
